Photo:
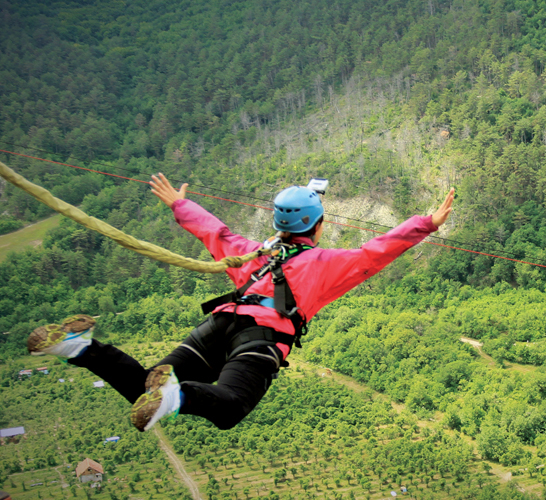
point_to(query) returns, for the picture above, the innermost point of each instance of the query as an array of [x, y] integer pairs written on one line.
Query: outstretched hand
[[162, 188], [441, 215]]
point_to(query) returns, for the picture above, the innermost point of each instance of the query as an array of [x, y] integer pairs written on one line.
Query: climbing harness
[[283, 300]]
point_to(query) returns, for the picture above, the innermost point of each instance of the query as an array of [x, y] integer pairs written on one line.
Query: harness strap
[[284, 301], [285, 304], [211, 305], [258, 334]]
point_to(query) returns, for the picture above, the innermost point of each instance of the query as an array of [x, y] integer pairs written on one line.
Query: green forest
[[394, 102]]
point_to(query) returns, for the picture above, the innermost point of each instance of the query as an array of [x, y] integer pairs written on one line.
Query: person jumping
[[250, 333]]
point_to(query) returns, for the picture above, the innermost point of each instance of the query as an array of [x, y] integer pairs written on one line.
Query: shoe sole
[[43, 337], [144, 409], [47, 336], [78, 323], [157, 377], [146, 405]]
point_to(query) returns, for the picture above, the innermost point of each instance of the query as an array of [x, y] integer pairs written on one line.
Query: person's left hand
[[441, 215], [162, 188]]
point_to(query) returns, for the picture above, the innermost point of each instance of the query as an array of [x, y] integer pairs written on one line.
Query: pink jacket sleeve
[[336, 271], [218, 239]]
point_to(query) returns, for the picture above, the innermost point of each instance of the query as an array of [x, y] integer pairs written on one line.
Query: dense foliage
[[193, 84], [316, 438], [395, 101]]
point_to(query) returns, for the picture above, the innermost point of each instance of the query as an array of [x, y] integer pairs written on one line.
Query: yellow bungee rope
[[125, 240]]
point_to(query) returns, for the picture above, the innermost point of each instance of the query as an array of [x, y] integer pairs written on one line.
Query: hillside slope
[[394, 102]]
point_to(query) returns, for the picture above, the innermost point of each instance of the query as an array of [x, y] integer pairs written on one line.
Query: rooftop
[[88, 464], [12, 431]]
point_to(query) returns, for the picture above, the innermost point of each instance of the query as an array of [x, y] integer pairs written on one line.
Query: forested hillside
[[393, 101]]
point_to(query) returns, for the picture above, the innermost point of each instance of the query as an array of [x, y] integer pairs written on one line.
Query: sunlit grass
[[28, 236]]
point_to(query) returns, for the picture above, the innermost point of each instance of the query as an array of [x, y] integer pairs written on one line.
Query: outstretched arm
[[162, 188], [441, 215], [215, 235], [345, 269]]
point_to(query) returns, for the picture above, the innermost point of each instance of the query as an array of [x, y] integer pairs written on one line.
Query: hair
[[308, 233]]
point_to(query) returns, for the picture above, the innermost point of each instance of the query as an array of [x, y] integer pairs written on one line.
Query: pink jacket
[[316, 277]]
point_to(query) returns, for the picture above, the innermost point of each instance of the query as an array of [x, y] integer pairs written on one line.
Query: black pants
[[203, 358]]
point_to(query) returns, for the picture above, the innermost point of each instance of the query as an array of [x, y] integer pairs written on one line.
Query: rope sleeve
[[125, 240]]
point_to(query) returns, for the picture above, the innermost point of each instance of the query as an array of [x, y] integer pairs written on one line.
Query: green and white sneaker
[[67, 340], [162, 397]]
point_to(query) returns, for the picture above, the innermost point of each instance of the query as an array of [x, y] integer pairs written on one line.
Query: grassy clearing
[[28, 236], [132, 480], [491, 363]]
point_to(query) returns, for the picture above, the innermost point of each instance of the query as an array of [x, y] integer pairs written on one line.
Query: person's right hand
[[162, 188], [441, 215]]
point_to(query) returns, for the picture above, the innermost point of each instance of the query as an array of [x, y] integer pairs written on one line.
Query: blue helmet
[[297, 210]]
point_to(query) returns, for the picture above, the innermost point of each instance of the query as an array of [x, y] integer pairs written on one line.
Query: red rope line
[[232, 201], [73, 166], [444, 245], [483, 253], [126, 178], [267, 208]]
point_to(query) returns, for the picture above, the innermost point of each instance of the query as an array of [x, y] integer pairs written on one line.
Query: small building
[[89, 470], [43, 370], [100, 383], [11, 432], [25, 373], [4, 495], [113, 439], [61, 381]]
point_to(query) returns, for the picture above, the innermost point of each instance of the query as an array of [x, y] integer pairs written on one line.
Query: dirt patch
[[177, 464], [472, 342]]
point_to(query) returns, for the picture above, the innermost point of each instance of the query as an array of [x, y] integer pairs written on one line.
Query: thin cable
[[75, 157], [483, 253], [173, 180], [126, 178], [191, 192], [73, 166], [234, 193], [131, 171], [267, 208]]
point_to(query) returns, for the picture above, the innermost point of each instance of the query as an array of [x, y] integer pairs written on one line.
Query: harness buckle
[[271, 242], [293, 312], [258, 275], [277, 276]]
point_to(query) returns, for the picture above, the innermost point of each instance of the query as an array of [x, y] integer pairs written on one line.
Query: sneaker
[[67, 340], [162, 397]]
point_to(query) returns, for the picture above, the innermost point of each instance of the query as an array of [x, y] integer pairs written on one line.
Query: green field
[[63, 426], [360, 464], [130, 480], [28, 236], [292, 446]]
